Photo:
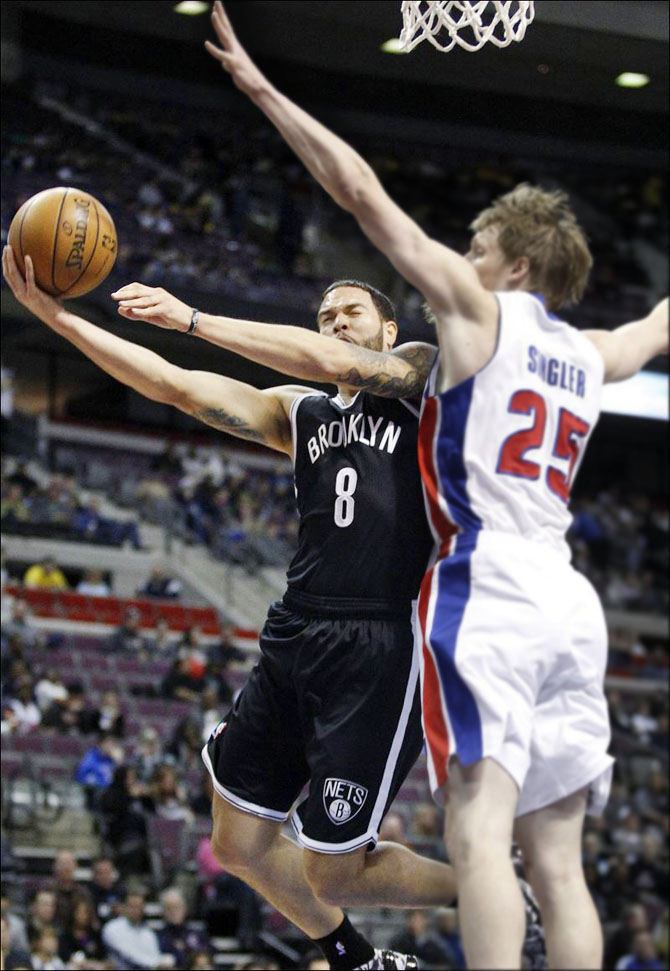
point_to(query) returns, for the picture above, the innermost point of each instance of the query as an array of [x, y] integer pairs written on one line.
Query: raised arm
[[400, 373], [446, 279], [627, 349], [222, 402]]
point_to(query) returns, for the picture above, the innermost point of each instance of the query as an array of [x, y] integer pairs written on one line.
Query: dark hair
[[383, 305]]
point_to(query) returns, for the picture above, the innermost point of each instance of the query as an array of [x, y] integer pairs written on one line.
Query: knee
[[469, 847], [235, 854], [332, 879], [552, 875]]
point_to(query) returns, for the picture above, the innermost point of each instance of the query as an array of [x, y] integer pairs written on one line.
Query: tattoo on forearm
[[232, 424], [380, 382]]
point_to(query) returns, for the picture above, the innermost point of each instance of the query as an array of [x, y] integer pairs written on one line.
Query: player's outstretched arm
[[222, 402], [446, 279], [400, 373], [627, 349]]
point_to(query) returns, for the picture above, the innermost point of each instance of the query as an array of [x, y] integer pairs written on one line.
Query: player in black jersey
[[334, 699]]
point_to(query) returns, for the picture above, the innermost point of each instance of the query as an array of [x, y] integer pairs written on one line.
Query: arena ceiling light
[[631, 79], [191, 7]]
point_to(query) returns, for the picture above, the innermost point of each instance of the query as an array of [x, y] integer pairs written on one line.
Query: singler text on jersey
[[376, 432]]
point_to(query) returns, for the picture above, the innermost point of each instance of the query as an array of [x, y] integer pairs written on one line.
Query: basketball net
[[468, 24]]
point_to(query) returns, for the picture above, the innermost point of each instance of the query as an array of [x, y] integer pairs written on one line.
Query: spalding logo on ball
[[70, 237]]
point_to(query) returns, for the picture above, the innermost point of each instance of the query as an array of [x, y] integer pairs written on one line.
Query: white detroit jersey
[[500, 450], [512, 640]]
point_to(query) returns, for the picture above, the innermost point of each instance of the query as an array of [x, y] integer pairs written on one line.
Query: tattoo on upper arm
[[387, 385], [232, 424]]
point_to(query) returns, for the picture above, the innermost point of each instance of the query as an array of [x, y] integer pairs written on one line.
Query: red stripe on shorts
[[434, 723], [443, 528]]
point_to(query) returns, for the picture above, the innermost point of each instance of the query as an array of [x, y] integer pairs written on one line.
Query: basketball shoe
[[388, 961]]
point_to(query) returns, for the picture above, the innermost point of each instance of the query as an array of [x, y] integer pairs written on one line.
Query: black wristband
[[194, 322]]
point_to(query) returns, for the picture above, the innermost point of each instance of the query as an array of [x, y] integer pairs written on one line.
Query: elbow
[[355, 190]]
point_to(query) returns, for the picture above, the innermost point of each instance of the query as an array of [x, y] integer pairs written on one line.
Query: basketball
[[70, 237]]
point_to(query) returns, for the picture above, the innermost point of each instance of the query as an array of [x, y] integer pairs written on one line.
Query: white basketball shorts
[[513, 650]]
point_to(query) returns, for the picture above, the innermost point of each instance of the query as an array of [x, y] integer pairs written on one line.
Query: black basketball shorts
[[331, 702]]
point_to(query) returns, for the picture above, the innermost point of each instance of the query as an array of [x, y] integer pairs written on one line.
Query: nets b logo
[[343, 799]]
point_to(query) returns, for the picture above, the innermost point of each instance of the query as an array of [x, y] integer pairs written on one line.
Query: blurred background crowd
[[139, 553]]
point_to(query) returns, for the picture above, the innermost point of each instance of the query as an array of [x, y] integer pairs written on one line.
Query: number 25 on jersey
[[571, 431]]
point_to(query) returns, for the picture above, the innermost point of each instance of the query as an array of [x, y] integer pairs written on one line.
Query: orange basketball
[[70, 237]]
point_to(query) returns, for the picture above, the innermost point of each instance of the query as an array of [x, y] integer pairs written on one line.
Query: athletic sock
[[345, 948]]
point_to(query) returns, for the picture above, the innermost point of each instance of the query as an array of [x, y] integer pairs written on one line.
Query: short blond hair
[[540, 224]]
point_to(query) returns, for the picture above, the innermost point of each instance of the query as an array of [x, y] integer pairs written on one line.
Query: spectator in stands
[[96, 769], [169, 795], [41, 913], [180, 683], [68, 892], [17, 925], [13, 508], [620, 942], [220, 656], [201, 802], [211, 712], [186, 744], [69, 716], [648, 873], [129, 941], [48, 689], [643, 956], [449, 936], [123, 806], [45, 955], [651, 799], [223, 889], [628, 836], [417, 939], [162, 646], [27, 715], [426, 821], [19, 624], [22, 478], [107, 890], [149, 754], [92, 584], [160, 584], [176, 937], [128, 636], [12, 957], [95, 528], [393, 829], [82, 935], [108, 717], [45, 575]]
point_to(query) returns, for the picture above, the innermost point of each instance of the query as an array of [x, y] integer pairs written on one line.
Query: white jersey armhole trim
[[410, 407], [293, 416]]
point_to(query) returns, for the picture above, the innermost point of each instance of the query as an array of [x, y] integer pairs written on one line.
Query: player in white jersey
[[514, 640]]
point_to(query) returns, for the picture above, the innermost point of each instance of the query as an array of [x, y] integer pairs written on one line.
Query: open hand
[[231, 55], [26, 291], [136, 301]]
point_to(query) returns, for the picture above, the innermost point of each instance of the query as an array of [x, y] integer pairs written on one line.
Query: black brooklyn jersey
[[364, 541]]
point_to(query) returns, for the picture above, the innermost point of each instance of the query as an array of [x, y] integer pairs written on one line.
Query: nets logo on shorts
[[343, 799]]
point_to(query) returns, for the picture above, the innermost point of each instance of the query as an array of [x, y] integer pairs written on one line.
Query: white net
[[445, 23]]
